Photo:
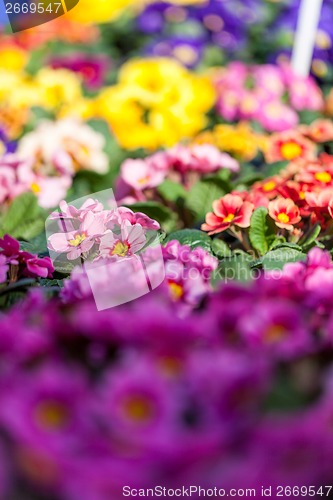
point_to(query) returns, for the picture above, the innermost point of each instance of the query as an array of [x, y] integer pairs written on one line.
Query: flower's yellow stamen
[[35, 188], [138, 408], [176, 290], [275, 333], [283, 217], [51, 415], [120, 248], [229, 218], [324, 177], [269, 186], [77, 240], [291, 150]]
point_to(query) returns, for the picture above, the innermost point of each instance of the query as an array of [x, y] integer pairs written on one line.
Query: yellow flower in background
[[12, 57], [9, 80], [57, 87], [238, 140], [101, 11], [157, 102]]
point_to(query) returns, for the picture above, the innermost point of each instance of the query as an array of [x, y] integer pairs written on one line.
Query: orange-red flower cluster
[[300, 195]]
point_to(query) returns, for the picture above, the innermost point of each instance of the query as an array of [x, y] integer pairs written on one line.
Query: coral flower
[[229, 210], [288, 146], [318, 131], [284, 212]]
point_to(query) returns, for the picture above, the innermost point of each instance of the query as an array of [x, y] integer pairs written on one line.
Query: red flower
[[228, 210], [284, 212]]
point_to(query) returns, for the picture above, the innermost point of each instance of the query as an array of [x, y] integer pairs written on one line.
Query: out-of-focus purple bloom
[[218, 23], [187, 50]]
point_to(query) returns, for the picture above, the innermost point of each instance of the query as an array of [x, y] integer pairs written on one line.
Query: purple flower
[[46, 406]]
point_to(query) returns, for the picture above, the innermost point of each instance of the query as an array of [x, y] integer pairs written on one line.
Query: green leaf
[[171, 191], [221, 249], [277, 258], [36, 245], [201, 197], [311, 236], [157, 211], [30, 229], [192, 237], [23, 219], [235, 268], [45, 282], [262, 230], [274, 168]]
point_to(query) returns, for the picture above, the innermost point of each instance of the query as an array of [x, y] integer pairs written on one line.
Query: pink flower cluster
[[181, 163], [258, 93], [48, 158], [15, 263], [94, 232]]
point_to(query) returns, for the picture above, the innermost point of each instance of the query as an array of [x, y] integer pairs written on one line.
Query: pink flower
[[126, 214], [140, 174], [275, 116], [3, 268], [284, 212], [209, 159], [70, 212], [319, 131], [228, 210], [80, 241], [130, 240]]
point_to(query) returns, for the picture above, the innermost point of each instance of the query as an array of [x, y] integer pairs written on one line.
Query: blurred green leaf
[[200, 199], [262, 230], [192, 237]]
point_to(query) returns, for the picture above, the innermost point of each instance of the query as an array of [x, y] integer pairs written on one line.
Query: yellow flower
[[58, 87], [238, 140], [81, 108], [157, 102], [9, 80], [12, 58], [100, 11]]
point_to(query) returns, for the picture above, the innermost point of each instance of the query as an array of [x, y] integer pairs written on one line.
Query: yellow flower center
[[269, 186], [138, 408], [143, 180], [291, 150], [301, 195], [324, 177], [77, 240], [275, 333], [176, 290], [120, 249], [229, 218], [35, 188], [283, 217], [51, 415]]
